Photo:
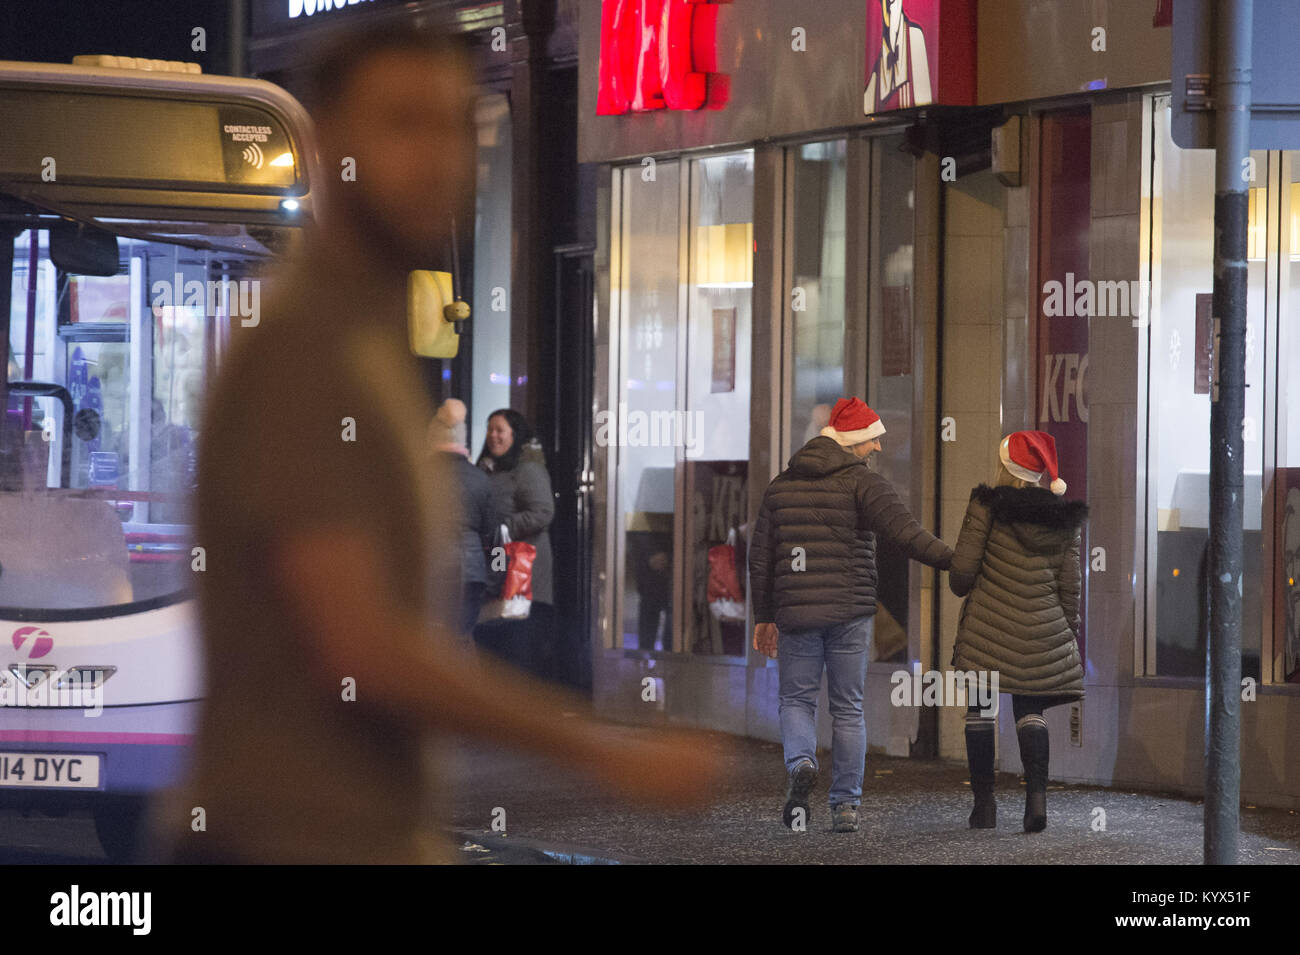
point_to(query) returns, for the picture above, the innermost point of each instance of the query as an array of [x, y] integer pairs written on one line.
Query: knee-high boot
[[979, 756], [1031, 730]]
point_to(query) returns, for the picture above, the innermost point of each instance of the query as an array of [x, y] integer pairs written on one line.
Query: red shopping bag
[[516, 598], [726, 599]]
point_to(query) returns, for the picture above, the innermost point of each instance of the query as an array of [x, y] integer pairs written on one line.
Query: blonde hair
[[1006, 479]]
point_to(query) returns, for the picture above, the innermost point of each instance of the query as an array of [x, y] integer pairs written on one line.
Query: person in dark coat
[[513, 460], [478, 516], [1017, 564], [812, 570]]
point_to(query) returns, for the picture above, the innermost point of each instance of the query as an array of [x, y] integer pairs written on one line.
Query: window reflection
[[1179, 415]]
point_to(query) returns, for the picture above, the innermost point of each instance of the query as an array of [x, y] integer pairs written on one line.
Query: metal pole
[[237, 28], [1232, 32]]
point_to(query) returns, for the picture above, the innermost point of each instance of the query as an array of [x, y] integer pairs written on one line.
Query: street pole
[[237, 28], [1233, 21]]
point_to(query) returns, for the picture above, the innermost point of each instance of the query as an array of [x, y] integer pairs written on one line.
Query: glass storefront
[[490, 363], [678, 433], [1178, 376], [646, 310], [819, 208], [679, 429], [891, 371], [1285, 496], [719, 319]]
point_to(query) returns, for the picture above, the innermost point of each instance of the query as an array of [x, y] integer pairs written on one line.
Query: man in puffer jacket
[[1017, 558], [812, 571]]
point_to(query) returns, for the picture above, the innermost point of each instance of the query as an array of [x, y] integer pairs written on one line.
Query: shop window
[[716, 461], [1178, 395], [891, 371], [679, 430], [491, 371], [818, 180], [1286, 484], [645, 308]]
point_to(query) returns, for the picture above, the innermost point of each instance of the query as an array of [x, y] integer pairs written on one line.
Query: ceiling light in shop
[[724, 255]]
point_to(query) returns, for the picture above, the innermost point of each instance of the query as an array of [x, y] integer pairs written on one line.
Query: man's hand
[[403, 657], [672, 769], [765, 637]]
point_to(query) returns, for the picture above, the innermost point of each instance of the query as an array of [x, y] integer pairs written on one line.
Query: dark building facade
[[525, 260]]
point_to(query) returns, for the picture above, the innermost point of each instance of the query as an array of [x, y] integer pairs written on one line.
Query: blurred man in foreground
[[327, 604]]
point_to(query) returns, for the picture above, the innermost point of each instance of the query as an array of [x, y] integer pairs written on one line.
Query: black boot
[[1034, 749], [979, 756]]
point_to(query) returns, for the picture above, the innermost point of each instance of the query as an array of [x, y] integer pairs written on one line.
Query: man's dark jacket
[[478, 518], [812, 557]]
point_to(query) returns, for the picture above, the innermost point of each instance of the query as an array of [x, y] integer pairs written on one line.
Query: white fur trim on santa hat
[[1033, 477], [847, 439]]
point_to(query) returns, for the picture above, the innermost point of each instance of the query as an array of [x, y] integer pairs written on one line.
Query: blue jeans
[[801, 655]]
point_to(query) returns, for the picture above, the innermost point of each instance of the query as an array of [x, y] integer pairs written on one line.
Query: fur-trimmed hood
[[1039, 518]]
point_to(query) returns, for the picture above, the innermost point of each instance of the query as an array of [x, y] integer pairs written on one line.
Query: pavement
[[913, 811]]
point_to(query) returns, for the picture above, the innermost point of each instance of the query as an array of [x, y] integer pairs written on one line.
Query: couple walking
[[812, 566]]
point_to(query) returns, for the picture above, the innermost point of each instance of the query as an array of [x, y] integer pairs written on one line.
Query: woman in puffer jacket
[[525, 504], [1017, 564]]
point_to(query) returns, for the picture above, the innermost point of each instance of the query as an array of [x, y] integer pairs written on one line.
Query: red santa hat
[[852, 423], [1028, 454]]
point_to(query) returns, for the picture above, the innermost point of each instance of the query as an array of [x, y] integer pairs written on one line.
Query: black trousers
[[471, 602], [1022, 706], [527, 644]]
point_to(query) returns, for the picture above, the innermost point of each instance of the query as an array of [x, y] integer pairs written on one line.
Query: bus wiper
[[126, 231]]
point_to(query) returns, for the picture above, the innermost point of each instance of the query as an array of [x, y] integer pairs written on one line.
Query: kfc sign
[[919, 52], [659, 54]]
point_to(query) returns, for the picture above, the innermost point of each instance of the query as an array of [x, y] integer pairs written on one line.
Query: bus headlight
[[84, 678]]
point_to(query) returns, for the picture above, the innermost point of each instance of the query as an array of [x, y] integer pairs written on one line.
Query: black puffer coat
[[478, 517], [1018, 559], [812, 557]]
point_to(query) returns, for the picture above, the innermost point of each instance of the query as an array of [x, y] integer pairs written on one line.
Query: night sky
[[56, 30]]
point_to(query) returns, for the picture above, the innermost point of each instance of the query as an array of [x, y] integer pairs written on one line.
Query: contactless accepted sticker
[[255, 150]]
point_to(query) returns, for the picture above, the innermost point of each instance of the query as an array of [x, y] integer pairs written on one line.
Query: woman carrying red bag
[[513, 459]]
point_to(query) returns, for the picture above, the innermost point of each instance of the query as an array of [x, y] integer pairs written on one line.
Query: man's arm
[[332, 578], [885, 514], [762, 580], [761, 574]]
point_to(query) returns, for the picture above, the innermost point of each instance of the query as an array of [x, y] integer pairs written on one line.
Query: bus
[[140, 204]]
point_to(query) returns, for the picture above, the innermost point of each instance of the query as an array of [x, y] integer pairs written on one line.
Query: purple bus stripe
[[54, 736]]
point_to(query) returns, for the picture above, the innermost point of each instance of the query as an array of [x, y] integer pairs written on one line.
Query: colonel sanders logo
[[900, 77]]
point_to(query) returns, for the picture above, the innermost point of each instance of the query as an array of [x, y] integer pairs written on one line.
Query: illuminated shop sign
[[659, 54], [919, 52], [299, 8]]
